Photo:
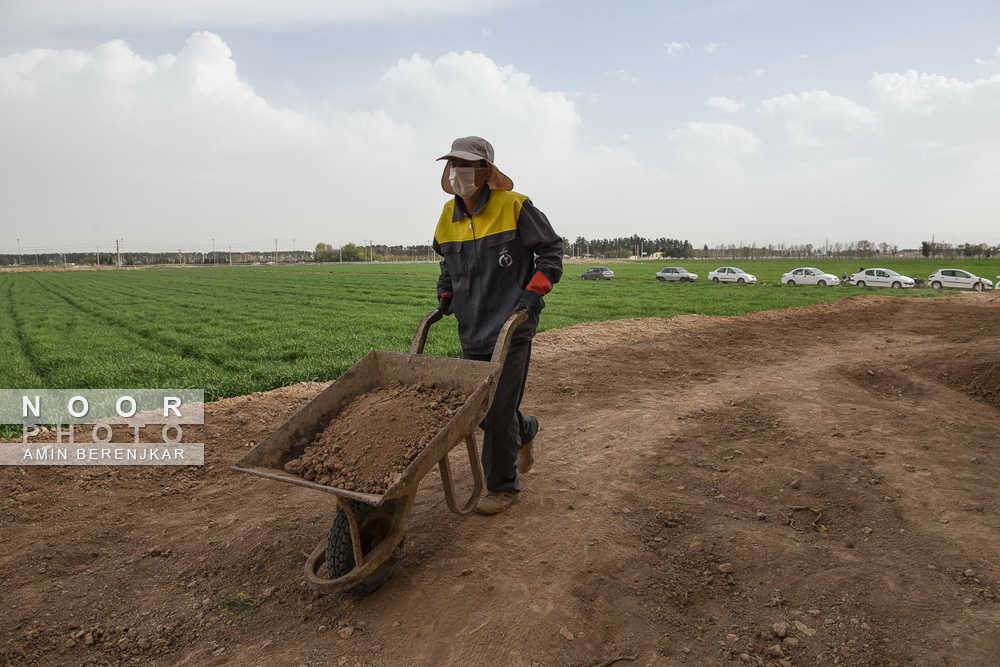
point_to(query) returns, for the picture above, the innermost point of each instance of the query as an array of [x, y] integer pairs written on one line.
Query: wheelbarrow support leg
[[478, 479]]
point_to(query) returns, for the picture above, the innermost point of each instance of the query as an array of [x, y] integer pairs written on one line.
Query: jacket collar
[[460, 211]]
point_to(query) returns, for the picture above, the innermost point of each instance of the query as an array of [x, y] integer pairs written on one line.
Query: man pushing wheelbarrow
[[499, 255]]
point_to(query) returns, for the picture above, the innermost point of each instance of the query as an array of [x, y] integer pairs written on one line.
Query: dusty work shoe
[[526, 455], [494, 503]]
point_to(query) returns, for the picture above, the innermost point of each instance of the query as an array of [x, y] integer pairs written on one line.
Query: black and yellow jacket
[[490, 257]]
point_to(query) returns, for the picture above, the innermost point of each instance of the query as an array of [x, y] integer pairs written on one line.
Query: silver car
[[676, 274], [960, 279], [598, 273]]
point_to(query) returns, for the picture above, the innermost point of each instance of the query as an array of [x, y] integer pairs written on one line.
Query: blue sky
[[170, 124]]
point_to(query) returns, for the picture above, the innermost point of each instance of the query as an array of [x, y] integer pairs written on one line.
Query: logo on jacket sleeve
[[505, 258]]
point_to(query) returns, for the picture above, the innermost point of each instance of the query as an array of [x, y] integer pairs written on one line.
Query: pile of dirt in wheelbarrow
[[372, 440]]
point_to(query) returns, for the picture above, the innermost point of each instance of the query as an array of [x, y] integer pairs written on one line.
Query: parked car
[[880, 278], [960, 279], [598, 273], [676, 274], [730, 274], [809, 275]]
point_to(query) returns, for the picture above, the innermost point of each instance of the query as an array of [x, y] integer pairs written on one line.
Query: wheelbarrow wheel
[[374, 524]]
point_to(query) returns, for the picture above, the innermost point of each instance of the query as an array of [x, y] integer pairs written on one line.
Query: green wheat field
[[237, 330]]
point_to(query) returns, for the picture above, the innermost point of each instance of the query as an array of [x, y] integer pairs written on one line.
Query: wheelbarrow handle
[[420, 337], [506, 333], [503, 339]]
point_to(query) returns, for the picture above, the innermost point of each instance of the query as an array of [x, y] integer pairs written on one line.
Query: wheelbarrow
[[361, 550]]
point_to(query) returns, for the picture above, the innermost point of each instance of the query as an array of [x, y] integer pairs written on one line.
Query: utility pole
[[118, 253], [215, 260], [98, 256], [275, 252], [19, 252], [230, 255]]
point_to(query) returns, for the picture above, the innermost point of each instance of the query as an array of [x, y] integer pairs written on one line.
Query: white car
[[808, 275], [730, 274], [960, 279], [880, 278], [676, 274]]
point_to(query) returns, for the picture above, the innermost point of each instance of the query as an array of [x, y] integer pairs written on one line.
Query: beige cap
[[475, 148]]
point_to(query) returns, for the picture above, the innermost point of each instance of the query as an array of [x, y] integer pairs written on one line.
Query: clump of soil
[[372, 440]]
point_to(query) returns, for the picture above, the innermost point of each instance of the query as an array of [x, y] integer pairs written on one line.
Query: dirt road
[[810, 486]]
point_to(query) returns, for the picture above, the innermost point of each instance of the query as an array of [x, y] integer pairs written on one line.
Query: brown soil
[[372, 440], [702, 486]]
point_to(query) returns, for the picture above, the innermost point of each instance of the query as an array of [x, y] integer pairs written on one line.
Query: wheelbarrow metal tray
[[379, 368]]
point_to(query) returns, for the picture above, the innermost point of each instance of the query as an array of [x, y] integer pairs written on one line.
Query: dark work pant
[[504, 427]]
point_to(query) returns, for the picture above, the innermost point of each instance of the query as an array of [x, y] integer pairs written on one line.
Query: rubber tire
[[936, 285], [715, 279], [373, 524], [859, 283], [821, 283], [791, 283], [977, 287], [661, 279], [740, 281], [897, 285]]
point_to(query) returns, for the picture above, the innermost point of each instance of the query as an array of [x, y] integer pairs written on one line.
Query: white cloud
[[818, 117], [926, 93], [712, 142], [622, 76], [932, 115], [991, 61], [725, 104], [712, 47], [181, 142], [756, 74], [673, 48]]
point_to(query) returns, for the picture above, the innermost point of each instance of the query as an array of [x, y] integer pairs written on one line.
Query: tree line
[[623, 247], [967, 250]]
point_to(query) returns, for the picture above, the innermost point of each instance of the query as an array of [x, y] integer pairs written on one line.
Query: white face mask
[[463, 180]]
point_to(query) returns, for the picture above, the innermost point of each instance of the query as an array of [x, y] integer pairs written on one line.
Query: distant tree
[[325, 253], [352, 253]]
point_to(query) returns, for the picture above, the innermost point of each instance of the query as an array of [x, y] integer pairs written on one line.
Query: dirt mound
[[976, 374], [707, 491], [372, 440]]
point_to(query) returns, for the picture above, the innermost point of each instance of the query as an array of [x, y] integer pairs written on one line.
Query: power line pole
[[19, 252], [275, 252], [98, 256], [118, 253], [215, 260], [230, 255]]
